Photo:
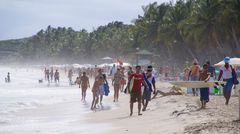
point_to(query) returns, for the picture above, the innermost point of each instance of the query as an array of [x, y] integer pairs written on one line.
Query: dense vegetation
[[187, 29]]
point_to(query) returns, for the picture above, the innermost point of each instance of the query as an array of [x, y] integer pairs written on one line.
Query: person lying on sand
[[174, 91]]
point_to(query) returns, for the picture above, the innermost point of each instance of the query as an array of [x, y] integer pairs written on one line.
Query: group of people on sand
[[140, 83], [140, 86], [136, 81], [207, 73]]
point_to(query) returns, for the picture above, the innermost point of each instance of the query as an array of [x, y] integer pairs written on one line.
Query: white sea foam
[[27, 107]]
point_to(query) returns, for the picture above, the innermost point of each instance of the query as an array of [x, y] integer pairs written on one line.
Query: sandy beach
[[31, 108], [172, 115]]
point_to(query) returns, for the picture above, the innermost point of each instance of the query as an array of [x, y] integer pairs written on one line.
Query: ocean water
[[28, 107]]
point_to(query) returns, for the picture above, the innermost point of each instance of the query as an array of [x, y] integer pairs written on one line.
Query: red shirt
[[137, 83]]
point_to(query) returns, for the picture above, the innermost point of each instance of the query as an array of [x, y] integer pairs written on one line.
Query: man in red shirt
[[136, 92]]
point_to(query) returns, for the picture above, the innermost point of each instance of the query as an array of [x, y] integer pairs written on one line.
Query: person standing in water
[[8, 80], [48, 75], [102, 79], [45, 73], [84, 83], [56, 77], [51, 74], [70, 75], [226, 72]]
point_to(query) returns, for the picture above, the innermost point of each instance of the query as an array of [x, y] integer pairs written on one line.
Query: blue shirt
[[150, 81]]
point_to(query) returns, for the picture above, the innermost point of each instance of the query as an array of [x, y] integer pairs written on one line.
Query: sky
[[23, 18]]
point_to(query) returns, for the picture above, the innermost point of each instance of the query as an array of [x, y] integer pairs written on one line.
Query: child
[[204, 92]]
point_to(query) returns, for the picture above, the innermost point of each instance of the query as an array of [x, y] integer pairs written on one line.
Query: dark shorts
[[204, 94], [147, 95], [228, 87], [135, 97]]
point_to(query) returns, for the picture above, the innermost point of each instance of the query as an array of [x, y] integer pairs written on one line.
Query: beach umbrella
[[107, 58], [77, 66], [233, 61], [104, 65], [124, 64]]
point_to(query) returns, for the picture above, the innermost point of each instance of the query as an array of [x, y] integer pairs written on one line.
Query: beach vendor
[[226, 73]]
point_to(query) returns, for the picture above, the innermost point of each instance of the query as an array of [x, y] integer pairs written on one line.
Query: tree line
[[174, 32]]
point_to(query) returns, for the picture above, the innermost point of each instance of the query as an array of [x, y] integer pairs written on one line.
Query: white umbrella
[[107, 58], [77, 66], [104, 65], [233, 61], [125, 64]]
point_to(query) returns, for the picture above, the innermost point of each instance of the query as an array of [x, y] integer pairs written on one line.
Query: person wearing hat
[[226, 74], [150, 80], [194, 74]]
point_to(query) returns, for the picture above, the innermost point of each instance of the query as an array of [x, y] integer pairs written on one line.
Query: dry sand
[[172, 115]]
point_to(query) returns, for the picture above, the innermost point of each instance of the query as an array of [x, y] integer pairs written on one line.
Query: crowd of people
[[140, 81], [207, 73]]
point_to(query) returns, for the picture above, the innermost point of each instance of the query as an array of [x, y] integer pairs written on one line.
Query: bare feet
[[144, 108]]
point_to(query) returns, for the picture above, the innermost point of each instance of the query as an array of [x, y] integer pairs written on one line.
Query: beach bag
[[234, 75], [216, 90], [106, 89]]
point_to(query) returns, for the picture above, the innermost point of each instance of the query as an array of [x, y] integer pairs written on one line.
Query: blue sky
[[23, 18]]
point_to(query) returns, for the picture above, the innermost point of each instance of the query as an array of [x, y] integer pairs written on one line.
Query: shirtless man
[[194, 75], [116, 82], [84, 83]]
